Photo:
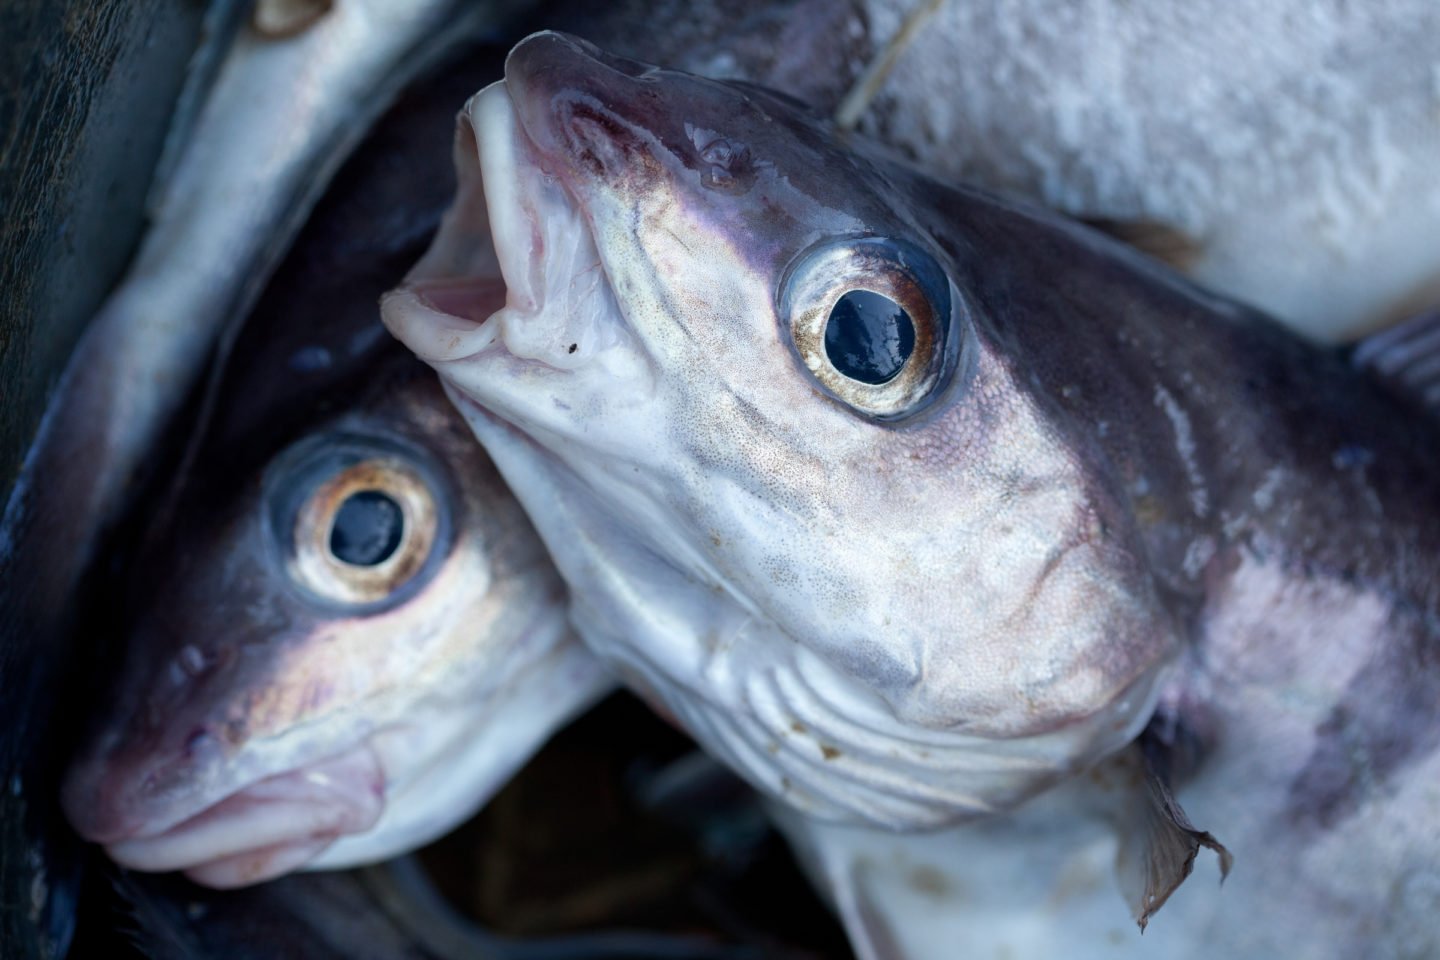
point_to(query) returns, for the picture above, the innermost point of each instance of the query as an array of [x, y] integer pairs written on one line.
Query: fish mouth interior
[[512, 261], [267, 828]]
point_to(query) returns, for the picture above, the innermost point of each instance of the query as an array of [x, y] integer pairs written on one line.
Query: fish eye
[[870, 320], [367, 529], [357, 522], [868, 337]]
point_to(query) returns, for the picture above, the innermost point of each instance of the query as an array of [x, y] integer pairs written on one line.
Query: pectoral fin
[[1158, 843]]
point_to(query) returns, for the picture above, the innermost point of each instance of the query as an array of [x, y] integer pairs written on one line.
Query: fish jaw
[[234, 783], [205, 709], [236, 813], [515, 269], [415, 768], [721, 520]]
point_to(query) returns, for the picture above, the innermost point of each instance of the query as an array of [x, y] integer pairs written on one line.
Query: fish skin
[[815, 74], [452, 685], [1230, 502], [944, 695], [819, 85]]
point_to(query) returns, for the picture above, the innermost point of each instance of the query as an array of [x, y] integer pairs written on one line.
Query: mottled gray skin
[[1128, 492]]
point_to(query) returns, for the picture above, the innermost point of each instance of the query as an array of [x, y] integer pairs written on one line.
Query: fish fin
[[1406, 358], [868, 922], [1165, 243], [836, 858], [1158, 843], [702, 795]]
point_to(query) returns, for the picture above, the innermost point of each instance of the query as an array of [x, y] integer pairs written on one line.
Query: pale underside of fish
[[1071, 496]]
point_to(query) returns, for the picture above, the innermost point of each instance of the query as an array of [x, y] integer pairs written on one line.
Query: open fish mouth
[[514, 264], [267, 828]]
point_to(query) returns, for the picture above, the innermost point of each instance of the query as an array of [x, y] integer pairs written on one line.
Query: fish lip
[[309, 805], [557, 52], [521, 212], [448, 306], [503, 258], [103, 799]]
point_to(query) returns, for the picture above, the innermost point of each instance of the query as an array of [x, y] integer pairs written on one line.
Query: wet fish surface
[[811, 78], [275, 726], [347, 634], [912, 503]]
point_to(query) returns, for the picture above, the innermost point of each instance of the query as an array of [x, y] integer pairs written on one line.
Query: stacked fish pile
[[1001, 561]]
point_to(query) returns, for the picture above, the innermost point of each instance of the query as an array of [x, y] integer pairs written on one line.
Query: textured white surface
[[1297, 142]]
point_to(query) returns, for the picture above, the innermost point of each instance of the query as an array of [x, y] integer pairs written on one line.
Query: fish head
[[340, 660], [752, 382]]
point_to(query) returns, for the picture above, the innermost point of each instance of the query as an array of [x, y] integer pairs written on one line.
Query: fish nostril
[[595, 139], [192, 660]]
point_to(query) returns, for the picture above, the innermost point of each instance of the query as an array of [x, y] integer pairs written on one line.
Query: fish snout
[[130, 774], [583, 108]]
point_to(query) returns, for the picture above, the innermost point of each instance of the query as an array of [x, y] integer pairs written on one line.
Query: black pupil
[[367, 529], [869, 337]]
